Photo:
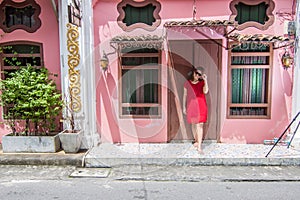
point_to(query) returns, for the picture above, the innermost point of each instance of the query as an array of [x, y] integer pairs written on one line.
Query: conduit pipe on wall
[[54, 8]]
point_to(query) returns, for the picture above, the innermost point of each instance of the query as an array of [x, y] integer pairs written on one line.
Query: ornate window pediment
[[24, 15], [143, 15], [252, 13]]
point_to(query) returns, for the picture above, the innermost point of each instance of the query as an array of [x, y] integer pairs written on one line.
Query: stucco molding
[[141, 41], [269, 13]]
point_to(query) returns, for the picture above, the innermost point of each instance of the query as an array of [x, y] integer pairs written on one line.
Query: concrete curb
[[115, 162], [58, 159]]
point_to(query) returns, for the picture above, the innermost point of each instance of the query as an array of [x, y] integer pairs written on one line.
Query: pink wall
[[48, 35], [255, 131], [112, 128]]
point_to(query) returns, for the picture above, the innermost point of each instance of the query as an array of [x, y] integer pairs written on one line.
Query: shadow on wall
[[106, 88], [287, 83]]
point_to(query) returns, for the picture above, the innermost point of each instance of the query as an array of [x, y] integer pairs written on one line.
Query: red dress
[[196, 107]]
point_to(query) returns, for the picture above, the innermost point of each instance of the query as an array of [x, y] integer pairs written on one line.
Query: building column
[[88, 75], [296, 82], [81, 60]]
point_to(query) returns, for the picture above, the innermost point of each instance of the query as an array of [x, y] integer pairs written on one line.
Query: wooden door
[[183, 55]]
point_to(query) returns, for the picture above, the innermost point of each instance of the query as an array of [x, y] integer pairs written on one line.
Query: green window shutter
[[255, 13], [135, 15]]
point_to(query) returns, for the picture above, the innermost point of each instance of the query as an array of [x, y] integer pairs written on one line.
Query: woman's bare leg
[[199, 129], [194, 131]]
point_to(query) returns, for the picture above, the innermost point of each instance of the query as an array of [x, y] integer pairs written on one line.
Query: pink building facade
[[135, 57], [195, 44], [43, 32]]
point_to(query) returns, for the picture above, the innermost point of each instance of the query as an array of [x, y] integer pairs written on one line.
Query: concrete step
[[113, 155]]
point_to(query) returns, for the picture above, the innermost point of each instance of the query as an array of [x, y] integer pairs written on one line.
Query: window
[[19, 16], [140, 93], [249, 84], [143, 14], [252, 13], [19, 54]]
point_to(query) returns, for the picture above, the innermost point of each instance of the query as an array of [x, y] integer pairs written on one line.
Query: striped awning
[[200, 23], [258, 38]]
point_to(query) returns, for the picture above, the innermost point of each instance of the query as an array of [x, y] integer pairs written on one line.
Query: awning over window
[[278, 41], [199, 23], [220, 26], [227, 29], [258, 38]]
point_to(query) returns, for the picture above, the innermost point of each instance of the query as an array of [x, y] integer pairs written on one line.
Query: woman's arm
[[184, 101], [205, 87]]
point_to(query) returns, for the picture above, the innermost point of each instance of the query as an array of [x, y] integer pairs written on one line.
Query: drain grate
[[90, 173]]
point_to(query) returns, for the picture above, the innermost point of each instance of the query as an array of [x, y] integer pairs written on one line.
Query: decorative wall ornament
[[142, 41], [73, 62]]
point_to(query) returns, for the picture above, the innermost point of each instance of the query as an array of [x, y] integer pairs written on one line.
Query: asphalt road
[[151, 182]]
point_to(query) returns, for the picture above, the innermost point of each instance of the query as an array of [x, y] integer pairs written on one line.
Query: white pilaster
[[296, 82], [87, 115], [88, 92], [63, 20]]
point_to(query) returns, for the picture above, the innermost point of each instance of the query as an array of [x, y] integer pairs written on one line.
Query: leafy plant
[[31, 97]]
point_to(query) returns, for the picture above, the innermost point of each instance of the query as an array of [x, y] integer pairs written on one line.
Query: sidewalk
[[163, 154], [112, 155]]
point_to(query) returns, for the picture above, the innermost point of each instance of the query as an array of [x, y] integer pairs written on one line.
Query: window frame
[[23, 4], [4, 68], [269, 66], [269, 10], [133, 3], [141, 67], [20, 42]]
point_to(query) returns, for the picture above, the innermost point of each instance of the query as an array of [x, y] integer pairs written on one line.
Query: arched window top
[[252, 13], [24, 15], [16, 54], [135, 14]]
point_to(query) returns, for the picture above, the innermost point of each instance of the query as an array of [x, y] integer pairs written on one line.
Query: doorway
[[183, 54]]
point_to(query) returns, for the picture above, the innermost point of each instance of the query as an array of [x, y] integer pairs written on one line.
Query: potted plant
[[71, 137], [31, 102]]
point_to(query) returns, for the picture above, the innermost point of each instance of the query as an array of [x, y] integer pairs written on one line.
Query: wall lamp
[[286, 60], [104, 62]]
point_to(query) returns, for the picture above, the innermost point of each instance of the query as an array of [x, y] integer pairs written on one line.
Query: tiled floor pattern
[[187, 150]]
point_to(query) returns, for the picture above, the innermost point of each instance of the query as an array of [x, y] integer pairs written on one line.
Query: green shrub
[[31, 98]]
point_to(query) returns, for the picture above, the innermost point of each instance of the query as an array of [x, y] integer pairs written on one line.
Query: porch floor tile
[[108, 155]]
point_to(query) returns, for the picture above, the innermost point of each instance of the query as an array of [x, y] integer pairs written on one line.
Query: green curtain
[[247, 85]]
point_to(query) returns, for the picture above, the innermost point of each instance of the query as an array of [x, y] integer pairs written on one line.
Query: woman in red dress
[[194, 103]]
